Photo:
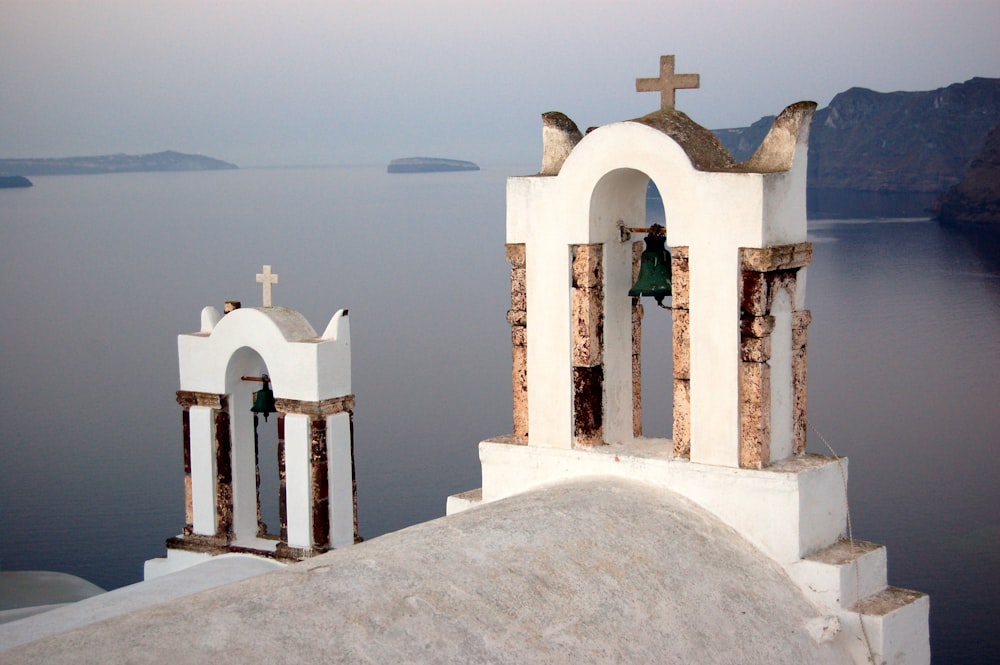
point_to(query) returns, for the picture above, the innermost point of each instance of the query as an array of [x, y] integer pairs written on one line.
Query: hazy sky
[[281, 82]]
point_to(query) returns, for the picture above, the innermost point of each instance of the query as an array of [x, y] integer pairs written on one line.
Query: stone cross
[[668, 83], [267, 279]]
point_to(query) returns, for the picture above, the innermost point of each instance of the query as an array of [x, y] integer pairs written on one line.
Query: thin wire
[[850, 538]]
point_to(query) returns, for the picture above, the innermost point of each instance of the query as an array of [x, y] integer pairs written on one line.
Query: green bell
[[654, 268], [263, 400]]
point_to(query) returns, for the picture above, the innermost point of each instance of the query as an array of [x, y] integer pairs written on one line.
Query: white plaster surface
[[781, 378], [340, 478], [174, 561], [787, 510], [843, 574], [302, 365], [298, 436], [594, 571], [203, 476], [126, 600]]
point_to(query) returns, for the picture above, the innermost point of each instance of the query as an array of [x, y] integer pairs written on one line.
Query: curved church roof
[[596, 570]]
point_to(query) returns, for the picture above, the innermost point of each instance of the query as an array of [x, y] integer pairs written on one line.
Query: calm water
[[98, 275]]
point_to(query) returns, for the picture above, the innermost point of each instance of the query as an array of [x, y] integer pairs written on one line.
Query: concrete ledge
[[840, 575], [896, 622], [459, 502], [788, 510]]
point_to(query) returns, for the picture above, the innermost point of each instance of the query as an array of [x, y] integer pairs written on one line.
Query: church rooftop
[[585, 571]]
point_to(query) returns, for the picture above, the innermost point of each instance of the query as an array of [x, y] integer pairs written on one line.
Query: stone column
[[224, 472], [282, 483], [588, 345], [681, 292], [319, 491], [208, 489], [637, 314], [517, 316], [765, 273], [800, 323]]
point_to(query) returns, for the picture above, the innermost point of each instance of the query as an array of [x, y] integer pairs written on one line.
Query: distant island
[[429, 165], [120, 163], [11, 181]]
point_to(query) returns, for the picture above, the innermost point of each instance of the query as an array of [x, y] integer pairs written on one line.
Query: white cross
[[668, 83], [267, 279]]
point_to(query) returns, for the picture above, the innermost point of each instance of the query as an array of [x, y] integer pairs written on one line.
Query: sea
[[99, 274]]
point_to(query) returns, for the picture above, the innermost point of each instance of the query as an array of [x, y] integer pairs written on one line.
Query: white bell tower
[[221, 367], [737, 234]]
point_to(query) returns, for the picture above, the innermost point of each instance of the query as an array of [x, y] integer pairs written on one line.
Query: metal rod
[[627, 231], [644, 229], [262, 379]]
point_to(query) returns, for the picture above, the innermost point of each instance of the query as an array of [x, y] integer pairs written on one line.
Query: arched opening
[[657, 355], [636, 335], [255, 452], [268, 479]]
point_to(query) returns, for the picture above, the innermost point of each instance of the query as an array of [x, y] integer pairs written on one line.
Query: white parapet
[[788, 510]]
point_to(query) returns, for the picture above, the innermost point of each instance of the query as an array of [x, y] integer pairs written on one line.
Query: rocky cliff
[[903, 146], [977, 197]]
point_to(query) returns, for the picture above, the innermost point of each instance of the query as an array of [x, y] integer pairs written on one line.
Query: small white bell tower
[[221, 367]]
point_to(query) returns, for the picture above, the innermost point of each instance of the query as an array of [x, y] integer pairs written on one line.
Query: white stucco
[[782, 395], [601, 186], [203, 469], [341, 480], [297, 479], [302, 365], [787, 510]]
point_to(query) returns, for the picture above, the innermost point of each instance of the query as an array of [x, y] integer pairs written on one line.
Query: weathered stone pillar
[[208, 481], [282, 483], [325, 508], [517, 316], [766, 273], [681, 292], [637, 313], [224, 472], [800, 324], [320, 485], [588, 345]]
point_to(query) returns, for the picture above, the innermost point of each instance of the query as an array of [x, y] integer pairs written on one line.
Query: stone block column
[[637, 314], [317, 472], [517, 316], [208, 480], [800, 324], [587, 328], [681, 291], [772, 343]]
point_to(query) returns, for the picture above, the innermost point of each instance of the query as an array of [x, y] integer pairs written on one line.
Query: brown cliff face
[[901, 141], [977, 197], [893, 146]]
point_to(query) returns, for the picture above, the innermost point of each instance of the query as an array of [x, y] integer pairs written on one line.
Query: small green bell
[[654, 268], [263, 400]]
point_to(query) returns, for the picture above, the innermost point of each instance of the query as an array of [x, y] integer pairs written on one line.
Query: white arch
[[712, 212], [303, 366]]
